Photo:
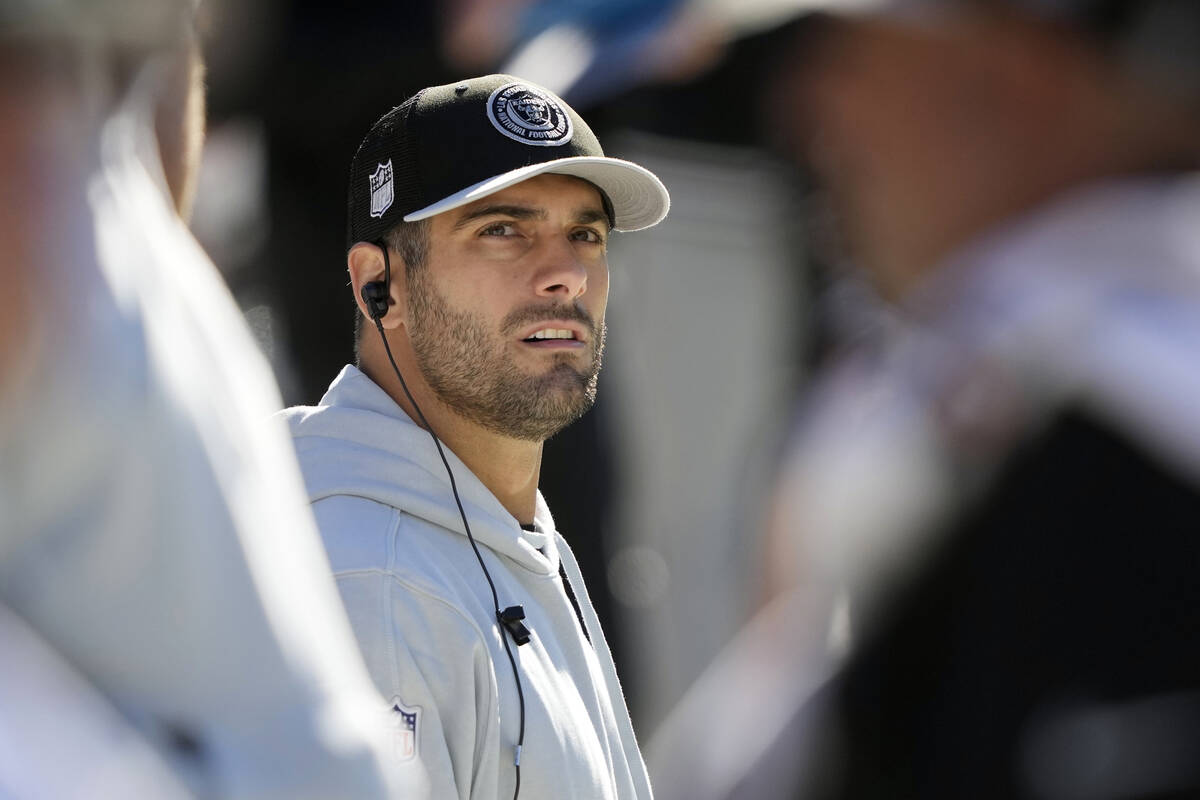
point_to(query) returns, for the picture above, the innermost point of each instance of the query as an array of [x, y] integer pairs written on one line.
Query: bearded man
[[422, 461]]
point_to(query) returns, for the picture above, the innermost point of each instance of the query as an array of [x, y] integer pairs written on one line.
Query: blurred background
[[661, 488]]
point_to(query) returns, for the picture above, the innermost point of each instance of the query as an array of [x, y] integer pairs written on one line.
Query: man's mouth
[[550, 333], [554, 334]]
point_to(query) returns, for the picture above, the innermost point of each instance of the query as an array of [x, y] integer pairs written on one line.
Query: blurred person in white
[[987, 530], [165, 597], [98, 754]]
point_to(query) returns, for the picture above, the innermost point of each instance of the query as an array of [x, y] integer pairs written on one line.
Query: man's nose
[[560, 271]]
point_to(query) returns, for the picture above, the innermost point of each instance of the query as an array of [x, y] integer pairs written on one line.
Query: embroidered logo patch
[[381, 189], [403, 724], [529, 115]]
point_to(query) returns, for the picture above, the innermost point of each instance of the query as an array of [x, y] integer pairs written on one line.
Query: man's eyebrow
[[589, 214], [500, 210]]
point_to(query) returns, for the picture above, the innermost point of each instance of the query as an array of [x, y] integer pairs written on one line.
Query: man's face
[[506, 318]]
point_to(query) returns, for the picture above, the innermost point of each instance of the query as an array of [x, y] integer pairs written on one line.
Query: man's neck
[[509, 468]]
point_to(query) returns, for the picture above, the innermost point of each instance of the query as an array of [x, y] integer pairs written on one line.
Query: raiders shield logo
[[402, 723], [529, 115], [381, 189]]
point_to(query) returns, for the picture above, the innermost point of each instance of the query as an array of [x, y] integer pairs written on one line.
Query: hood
[[359, 442]]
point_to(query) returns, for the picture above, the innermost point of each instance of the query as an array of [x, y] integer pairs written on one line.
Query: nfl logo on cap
[[381, 189]]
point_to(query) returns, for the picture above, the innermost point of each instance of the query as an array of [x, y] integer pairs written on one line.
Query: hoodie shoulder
[[295, 415], [357, 532], [362, 535]]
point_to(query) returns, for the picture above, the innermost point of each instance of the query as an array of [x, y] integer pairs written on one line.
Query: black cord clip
[[511, 618]]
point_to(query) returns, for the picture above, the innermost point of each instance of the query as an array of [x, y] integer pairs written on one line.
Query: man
[[163, 592], [479, 214], [995, 507]]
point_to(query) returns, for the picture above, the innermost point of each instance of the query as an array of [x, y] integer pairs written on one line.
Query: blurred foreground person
[[993, 517], [153, 530]]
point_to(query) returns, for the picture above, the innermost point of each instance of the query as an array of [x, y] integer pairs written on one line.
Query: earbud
[[375, 295]]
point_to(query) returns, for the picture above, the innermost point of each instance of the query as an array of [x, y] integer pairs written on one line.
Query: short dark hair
[[410, 241]]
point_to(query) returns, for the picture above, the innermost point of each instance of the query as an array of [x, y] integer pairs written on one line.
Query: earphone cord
[[467, 527]]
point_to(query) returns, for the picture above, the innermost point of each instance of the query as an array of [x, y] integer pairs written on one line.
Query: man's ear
[[365, 264]]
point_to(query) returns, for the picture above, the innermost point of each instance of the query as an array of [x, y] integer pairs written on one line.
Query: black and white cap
[[451, 145]]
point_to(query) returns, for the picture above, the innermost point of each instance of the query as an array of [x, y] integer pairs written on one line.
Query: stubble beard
[[473, 373]]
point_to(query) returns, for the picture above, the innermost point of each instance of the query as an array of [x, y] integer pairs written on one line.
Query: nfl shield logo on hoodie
[[403, 724], [381, 188]]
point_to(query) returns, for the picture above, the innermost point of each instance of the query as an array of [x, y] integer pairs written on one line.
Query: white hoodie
[[424, 615]]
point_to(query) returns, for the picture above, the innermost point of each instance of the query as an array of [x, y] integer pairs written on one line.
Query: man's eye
[[588, 235], [499, 229]]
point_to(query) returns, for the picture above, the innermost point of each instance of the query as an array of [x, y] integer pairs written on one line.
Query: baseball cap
[[451, 145]]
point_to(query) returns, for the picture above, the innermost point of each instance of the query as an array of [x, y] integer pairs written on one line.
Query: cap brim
[[638, 197]]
